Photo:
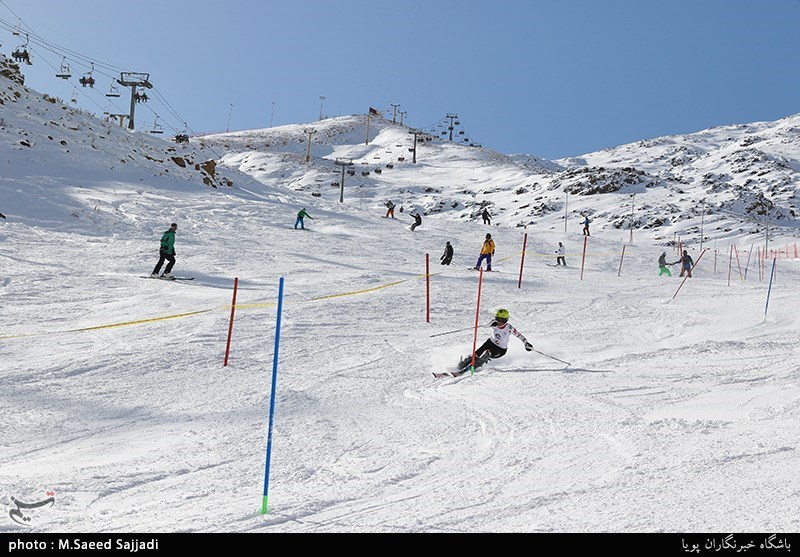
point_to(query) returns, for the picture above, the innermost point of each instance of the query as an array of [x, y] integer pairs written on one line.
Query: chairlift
[[74, 98], [457, 123], [141, 97], [87, 78], [64, 72], [157, 128], [113, 92], [461, 132]]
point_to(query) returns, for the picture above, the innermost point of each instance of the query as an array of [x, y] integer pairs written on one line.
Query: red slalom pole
[[428, 288], [738, 263], [619, 273], [230, 327], [477, 316], [689, 273], [522, 263], [583, 259]]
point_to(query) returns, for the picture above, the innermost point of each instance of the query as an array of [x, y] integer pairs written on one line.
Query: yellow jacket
[[488, 247]]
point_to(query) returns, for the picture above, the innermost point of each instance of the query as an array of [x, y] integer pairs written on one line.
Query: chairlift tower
[[450, 127], [413, 149], [344, 164], [134, 80]]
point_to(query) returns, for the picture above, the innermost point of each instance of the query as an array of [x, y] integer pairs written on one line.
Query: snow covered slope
[[678, 411]]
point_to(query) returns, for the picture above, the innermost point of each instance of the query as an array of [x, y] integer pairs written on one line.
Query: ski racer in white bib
[[496, 345]]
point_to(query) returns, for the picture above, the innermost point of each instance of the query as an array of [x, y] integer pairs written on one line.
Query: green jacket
[[302, 214], [168, 242]]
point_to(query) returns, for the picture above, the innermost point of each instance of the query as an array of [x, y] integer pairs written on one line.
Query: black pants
[[447, 260], [164, 256], [561, 261]]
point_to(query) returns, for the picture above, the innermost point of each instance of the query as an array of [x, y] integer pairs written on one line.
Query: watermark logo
[[20, 511]]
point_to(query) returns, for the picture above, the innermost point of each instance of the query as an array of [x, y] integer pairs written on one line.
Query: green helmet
[[501, 314]]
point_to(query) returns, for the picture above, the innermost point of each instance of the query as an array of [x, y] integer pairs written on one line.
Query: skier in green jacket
[[166, 253], [300, 216]]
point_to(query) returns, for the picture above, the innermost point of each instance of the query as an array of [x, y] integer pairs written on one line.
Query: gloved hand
[[493, 323], [528, 346]]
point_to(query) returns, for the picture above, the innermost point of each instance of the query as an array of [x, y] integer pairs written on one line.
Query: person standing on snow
[[662, 265], [447, 257], [300, 216], [389, 209], [586, 222], [496, 345], [166, 253], [686, 264], [487, 218], [417, 221], [487, 251], [561, 252]]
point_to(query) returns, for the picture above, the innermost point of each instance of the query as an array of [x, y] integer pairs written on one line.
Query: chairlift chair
[[157, 128], [113, 92], [64, 72]]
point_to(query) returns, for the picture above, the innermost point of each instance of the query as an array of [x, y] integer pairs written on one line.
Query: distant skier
[[561, 252], [662, 265], [487, 218], [389, 209], [2, 215], [417, 221], [300, 216], [497, 344], [447, 257], [166, 253], [586, 222], [487, 251], [686, 264]]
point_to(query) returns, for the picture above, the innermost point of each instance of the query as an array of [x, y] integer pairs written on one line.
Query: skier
[[497, 344], [447, 257], [300, 216], [487, 251], [662, 265], [166, 253], [686, 264], [389, 209], [561, 252], [586, 222], [487, 218], [2, 215], [417, 221]]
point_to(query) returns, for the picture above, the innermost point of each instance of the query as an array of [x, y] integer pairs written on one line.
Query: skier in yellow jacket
[[487, 251]]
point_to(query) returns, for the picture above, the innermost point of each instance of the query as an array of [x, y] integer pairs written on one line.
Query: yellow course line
[[360, 291], [138, 322]]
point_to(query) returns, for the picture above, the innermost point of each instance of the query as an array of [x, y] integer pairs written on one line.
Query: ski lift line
[[69, 80], [49, 45], [90, 64]]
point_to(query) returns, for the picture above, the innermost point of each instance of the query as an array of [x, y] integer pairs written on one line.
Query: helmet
[[501, 314], [488, 236]]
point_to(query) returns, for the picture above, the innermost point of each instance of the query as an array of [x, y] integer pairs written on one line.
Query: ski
[[169, 278]]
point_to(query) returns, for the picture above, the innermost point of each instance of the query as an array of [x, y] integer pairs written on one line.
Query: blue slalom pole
[[272, 397], [772, 274]]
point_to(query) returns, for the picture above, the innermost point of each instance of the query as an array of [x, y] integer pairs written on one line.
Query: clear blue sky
[[552, 78]]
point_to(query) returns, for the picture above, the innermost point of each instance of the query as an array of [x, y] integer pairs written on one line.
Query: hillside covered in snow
[[649, 403]]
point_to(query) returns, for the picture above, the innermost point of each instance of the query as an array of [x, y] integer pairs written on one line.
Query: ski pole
[[552, 357]]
